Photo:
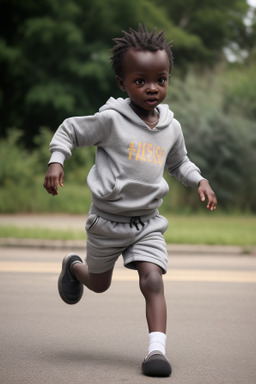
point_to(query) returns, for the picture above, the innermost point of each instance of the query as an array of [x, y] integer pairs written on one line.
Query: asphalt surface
[[211, 300]]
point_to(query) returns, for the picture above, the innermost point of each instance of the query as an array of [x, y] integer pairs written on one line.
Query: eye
[[162, 80], [140, 82]]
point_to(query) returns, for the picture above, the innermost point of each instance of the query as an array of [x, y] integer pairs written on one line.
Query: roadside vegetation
[[183, 229], [54, 61]]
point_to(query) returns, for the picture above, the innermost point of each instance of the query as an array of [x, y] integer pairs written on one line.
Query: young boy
[[135, 138]]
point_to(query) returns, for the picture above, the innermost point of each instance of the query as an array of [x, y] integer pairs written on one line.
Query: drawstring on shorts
[[136, 220]]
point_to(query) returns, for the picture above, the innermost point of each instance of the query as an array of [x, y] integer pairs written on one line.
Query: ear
[[120, 83]]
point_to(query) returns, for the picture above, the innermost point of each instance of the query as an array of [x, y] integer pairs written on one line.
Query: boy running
[[135, 138]]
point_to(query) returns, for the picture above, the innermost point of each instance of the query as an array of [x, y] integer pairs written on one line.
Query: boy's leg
[[96, 282], [152, 288]]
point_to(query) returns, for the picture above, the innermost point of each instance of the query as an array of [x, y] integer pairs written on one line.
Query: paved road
[[103, 339]]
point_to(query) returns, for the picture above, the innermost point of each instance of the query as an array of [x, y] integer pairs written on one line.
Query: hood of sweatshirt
[[123, 107]]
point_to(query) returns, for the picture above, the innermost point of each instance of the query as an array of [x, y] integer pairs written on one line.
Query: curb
[[180, 249]]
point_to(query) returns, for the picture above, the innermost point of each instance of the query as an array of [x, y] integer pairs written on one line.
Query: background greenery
[[192, 229], [54, 63]]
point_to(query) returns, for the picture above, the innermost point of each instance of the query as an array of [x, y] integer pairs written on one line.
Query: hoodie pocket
[[126, 190], [102, 188], [114, 193], [137, 191]]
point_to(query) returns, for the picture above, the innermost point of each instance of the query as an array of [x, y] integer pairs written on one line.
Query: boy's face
[[145, 78]]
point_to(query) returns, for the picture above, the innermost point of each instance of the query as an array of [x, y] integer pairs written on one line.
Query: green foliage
[[215, 24], [16, 162], [15, 173], [240, 91], [22, 175], [54, 55], [222, 145], [211, 229]]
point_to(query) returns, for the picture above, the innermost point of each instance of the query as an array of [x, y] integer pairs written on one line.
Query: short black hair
[[141, 40]]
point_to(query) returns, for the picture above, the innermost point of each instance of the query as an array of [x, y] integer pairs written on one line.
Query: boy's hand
[[205, 191], [54, 177]]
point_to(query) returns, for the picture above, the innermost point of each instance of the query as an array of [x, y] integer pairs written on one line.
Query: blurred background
[[54, 63]]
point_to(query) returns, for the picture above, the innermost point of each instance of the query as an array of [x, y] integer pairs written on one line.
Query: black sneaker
[[156, 365], [70, 289]]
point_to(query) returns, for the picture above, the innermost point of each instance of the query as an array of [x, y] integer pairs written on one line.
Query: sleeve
[[178, 163], [75, 132]]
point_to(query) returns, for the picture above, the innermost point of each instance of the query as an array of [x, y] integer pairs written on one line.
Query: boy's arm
[[180, 166], [53, 178], [76, 132], [205, 191], [73, 132]]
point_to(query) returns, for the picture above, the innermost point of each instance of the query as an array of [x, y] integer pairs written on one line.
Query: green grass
[[11, 231], [212, 230], [192, 229]]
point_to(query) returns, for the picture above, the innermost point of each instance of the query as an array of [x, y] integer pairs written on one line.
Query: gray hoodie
[[127, 178]]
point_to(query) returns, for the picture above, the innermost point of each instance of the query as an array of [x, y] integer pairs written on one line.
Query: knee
[[151, 283], [99, 283], [100, 288]]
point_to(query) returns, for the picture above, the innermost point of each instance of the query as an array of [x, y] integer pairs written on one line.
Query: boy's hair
[[141, 40]]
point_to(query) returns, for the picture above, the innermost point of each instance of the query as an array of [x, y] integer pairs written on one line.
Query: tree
[[216, 24], [222, 144], [54, 54]]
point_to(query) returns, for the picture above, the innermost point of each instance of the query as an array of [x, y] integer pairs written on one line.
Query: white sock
[[157, 342]]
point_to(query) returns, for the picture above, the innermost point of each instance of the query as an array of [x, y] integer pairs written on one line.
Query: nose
[[152, 88]]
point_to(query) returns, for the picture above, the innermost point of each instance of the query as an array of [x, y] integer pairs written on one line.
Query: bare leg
[[152, 287], [97, 282]]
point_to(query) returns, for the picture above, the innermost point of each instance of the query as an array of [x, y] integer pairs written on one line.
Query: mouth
[[152, 101]]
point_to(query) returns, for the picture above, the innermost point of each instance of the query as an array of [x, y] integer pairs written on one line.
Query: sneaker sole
[[156, 366], [63, 271]]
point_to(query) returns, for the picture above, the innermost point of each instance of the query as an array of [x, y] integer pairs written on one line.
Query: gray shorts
[[107, 240]]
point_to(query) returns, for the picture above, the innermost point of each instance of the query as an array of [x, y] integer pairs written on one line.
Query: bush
[[22, 174], [240, 92], [222, 145]]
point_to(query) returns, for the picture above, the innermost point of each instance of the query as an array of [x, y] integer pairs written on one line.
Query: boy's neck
[[151, 117], [143, 113]]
